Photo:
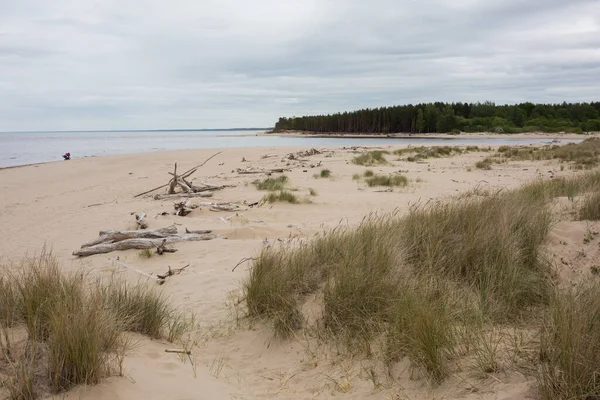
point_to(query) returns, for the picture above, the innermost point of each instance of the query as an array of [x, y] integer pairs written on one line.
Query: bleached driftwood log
[[140, 244], [180, 195], [116, 236]]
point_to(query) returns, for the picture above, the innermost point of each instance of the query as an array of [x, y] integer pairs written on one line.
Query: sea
[[22, 148]]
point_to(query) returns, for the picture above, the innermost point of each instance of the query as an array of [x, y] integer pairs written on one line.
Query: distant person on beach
[[67, 156]]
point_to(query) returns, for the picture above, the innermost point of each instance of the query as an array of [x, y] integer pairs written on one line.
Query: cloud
[[147, 64]]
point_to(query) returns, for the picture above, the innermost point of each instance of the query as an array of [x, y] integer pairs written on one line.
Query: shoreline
[[422, 136], [470, 136]]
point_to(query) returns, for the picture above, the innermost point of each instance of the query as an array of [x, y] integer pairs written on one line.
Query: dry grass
[[325, 173], [74, 326], [590, 208], [376, 157], [570, 349], [272, 184], [283, 196], [436, 284], [387, 180], [583, 155]]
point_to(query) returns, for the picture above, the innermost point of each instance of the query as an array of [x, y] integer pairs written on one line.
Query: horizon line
[[140, 130]]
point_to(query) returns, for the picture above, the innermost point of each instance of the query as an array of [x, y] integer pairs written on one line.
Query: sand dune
[[65, 204]]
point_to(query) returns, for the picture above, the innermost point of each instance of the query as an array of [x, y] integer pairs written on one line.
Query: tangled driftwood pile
[[187, 188], [109, 240]]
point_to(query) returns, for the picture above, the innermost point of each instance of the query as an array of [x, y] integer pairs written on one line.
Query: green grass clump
[[368, 173], [146, 253], [325, 173], [570, 349], [486, 164], [387, 180], [283, 196], [422, 153], [85, 345], [376, 157], [74, 326], [271, 184], [590, 209], [491, 244], [144, 309]]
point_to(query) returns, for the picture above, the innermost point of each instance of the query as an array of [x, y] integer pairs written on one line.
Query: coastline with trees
[[453, 118]]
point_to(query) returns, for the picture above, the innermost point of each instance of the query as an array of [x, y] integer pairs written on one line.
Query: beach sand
[[65, 204]]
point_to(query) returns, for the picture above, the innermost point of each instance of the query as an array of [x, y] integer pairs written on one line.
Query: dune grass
[[283, 196], [486, 164], [583, 155], [570, 349], [590, 208], [375, 157], [75, 325], [433, 283], [271, 184], [325, 173], [387, 180]]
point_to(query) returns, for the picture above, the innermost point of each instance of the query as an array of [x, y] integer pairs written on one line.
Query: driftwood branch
[[135, 270], [186, 352], [139, 244], [200, 232], [116, 236], [164, 249], [182, 195], [171, 272]]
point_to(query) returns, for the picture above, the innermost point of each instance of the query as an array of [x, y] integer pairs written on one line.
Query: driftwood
[[164, 249], [220, 206], [248, 171], [171, 272], [200, 232], [120, 264], [116, 236], [186, 352], [182, 195], [140, 221], [178, 180], [182, 209], [139, 244]]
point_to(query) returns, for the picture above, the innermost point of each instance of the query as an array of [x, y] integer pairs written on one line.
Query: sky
[[184, 64]]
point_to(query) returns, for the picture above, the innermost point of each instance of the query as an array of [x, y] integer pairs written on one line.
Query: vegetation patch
[[74, 326], [325, 173], [437, 284], [590, 208], [583, 155], [282, 196], [387, 180], [376, 157], [271, 184]]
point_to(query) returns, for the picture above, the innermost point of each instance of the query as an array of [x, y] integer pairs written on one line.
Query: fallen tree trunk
[[185, 195], [116, 236], [140, 244]]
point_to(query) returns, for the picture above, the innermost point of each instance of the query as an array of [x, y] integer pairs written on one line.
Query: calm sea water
[[36, 147]]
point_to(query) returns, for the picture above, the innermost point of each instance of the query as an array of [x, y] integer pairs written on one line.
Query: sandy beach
[[65, 204]]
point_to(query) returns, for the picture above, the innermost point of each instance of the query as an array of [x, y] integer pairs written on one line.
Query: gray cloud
[[145, 64]]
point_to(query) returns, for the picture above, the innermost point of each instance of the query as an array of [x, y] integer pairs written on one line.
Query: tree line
[[454, 118]]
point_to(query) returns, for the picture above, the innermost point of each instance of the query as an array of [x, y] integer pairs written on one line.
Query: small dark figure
[[67, 156]]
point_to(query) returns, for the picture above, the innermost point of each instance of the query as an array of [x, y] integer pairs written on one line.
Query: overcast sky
[[150, 64]]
